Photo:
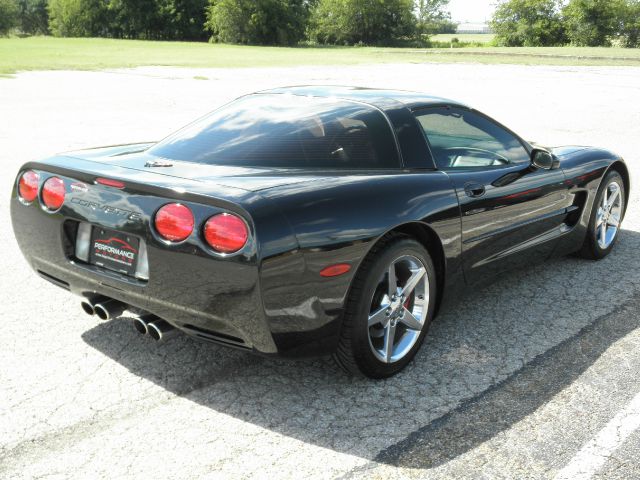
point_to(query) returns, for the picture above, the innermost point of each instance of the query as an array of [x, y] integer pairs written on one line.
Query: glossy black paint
[[269, 297]]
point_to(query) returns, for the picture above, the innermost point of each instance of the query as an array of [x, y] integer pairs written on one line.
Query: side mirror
[[544, 159]]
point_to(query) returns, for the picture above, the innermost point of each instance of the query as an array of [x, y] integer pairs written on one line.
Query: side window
[[460, 138]]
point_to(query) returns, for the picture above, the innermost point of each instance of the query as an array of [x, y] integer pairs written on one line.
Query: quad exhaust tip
[[105, 308], [87, 307], [161, 330], [147, 324], [141, 323], [109, 309], [89, 304]]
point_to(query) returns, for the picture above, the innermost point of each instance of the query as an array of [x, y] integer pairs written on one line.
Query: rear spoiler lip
[[119, 149], [149, 182]]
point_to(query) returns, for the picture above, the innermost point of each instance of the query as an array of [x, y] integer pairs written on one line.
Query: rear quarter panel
[[338, 219]]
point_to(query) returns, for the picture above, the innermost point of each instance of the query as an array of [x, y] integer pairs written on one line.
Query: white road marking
[[594, 454]]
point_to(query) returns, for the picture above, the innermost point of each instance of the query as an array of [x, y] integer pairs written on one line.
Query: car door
[[512, 213]]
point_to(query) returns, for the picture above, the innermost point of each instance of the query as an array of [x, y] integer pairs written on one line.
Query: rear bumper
[[216, 299], [214, 321]]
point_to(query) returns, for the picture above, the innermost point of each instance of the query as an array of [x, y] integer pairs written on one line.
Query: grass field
[[46, 53]]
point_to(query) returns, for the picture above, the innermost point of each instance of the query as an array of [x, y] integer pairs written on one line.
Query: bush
[[264, 22], [528, 23], [593, 23], [348, 22], [8, 16]]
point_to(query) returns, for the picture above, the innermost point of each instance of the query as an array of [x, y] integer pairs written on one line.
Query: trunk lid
[[135, 157]]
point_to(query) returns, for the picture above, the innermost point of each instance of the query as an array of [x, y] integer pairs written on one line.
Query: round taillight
[[226, 233], [53, 192], [174, 222], [28, 186]]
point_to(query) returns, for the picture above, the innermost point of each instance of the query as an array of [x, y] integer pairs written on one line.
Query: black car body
[[276, 295]]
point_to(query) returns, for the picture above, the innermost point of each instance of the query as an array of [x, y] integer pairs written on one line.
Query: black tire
[[591, 249], [354, 353]]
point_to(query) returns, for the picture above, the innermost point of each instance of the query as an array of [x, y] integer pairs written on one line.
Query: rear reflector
[[335, 270], [174, 222], [110, 182], [53, 192], [28, 186], [226, 233]]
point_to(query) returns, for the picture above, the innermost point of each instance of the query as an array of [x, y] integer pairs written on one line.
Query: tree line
[[338, 22], [588, 23], [257, 22]]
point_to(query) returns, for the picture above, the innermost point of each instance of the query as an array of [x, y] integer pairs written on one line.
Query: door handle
[[474, 189]]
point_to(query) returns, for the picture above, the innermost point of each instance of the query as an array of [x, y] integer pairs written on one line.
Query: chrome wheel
[[609, 215], [398, 309]]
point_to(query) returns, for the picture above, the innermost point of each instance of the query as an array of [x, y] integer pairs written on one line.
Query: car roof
[[383, 99]]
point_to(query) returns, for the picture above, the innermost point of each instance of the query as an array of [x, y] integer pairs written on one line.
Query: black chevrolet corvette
[[312, 220]]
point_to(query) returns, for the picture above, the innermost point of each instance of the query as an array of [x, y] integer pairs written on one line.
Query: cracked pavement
[[511, 382]]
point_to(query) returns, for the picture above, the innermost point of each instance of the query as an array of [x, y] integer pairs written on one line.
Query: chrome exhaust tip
[[109, 309], [87, 307], [88, 304], [161, 330], [141, 323]]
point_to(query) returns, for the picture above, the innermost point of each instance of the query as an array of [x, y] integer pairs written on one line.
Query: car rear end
[[166, 248], [138, 226]]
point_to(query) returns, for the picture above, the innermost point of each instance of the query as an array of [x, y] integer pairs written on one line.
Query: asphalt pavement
[[534, 376]]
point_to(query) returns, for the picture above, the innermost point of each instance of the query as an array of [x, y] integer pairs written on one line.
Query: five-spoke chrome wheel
[[609, 215], [398, 309]]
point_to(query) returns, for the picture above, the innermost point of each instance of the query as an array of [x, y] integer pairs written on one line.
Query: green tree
[[433, 17], [33, 17], [593, 23], [78, 18], [529, 23], [262, 22], [183, 19], [631, 24], [362, 21], [135, 19], [8, 16]]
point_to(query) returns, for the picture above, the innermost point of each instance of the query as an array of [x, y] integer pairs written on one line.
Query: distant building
[[473, 28]]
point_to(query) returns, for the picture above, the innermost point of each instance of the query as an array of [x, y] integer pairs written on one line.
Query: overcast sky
[[471, 10]]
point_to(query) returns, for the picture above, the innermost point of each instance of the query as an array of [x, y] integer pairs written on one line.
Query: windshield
[[286, 131]]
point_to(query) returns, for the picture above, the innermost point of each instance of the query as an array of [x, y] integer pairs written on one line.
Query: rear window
[[286, 131]]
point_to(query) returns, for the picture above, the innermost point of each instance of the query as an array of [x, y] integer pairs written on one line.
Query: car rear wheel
[[389, 309], [606, 217]]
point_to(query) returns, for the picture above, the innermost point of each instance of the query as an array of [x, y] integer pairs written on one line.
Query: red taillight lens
[[174, 222], [226, 233], [53, 192], [28, 186]]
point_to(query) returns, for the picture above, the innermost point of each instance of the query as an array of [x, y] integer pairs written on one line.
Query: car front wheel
[[606, 218]]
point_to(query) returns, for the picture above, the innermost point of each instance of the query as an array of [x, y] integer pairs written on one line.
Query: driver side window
[[460, 138]]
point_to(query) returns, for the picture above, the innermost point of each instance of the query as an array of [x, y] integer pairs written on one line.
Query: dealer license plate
[[114, 250]]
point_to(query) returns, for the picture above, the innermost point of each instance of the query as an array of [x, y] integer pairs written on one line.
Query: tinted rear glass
[[286, 131]]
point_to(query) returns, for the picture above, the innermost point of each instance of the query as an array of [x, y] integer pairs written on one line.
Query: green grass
[[46, 53]]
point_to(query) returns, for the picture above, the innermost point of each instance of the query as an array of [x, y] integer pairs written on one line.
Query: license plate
[[114, 250]]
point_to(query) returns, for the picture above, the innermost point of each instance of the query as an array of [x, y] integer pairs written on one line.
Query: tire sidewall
[[366, 360]]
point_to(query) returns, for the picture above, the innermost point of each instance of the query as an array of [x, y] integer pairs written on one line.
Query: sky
[[471, 10]]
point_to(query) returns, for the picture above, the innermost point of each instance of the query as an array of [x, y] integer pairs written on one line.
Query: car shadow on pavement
[[488, 362]]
